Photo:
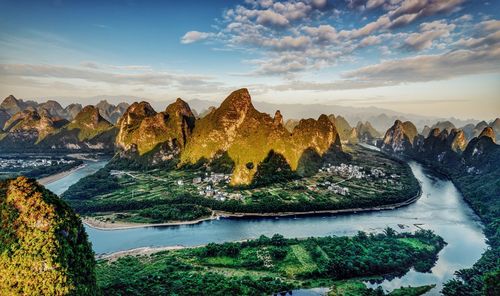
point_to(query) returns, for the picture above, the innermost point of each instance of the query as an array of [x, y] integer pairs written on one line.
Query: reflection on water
[[440, 208]]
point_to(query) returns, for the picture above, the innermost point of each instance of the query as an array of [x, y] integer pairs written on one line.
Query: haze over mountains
[[234, 137], [380, 118]]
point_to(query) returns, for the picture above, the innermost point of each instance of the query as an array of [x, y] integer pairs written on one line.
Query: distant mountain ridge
[[235, 134], [10, 106], [381, 119], [448, 146]]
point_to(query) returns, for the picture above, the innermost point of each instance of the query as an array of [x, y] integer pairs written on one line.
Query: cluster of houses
[[344, 170], [217, 194], [212, 178], [349, 171], [206, 186], [15, 163]]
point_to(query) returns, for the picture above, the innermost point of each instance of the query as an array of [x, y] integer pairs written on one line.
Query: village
[[330, 179], [207, 186], [348, 172], [25, 163]]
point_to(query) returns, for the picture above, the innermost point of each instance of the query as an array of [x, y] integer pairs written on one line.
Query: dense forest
[[269, 265], [43, 245], [482, 194], [477, 177]]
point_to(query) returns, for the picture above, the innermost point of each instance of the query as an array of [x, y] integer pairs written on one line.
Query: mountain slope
[[249, 137], [43, 245], [142, 129], [400, 137], [12, 105], [111, 112], [366, 132], [29, 127], [89, 123]]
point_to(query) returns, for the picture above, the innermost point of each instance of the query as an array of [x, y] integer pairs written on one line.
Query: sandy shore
[[119, 225], [58, 176], [94, 223], [137, 251]]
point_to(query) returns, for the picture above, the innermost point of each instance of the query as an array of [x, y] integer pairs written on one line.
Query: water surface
[[61, 185], [441, 209]]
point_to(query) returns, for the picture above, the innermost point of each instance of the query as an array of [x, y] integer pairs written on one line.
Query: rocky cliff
[[249, 137], [142, 130], [400, 137]]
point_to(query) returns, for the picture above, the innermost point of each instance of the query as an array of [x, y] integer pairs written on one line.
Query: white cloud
[[194, 36], [292, 35], [322, 33], [151, 78], [269, 17], [428, 33]]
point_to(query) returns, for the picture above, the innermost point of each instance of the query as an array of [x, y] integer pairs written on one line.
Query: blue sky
[[393, 54]]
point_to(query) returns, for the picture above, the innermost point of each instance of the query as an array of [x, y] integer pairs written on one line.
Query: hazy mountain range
[[380, 118]]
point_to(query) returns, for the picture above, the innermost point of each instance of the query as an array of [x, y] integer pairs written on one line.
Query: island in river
[[272, 265], [113, 198]]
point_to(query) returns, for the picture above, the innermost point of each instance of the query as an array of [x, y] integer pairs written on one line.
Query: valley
[[159, 196], [238, 173]]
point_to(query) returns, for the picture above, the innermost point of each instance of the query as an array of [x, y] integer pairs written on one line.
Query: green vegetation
[[43, 245], [476, 174], [269, 265], [138, 196], [481, 191], [358, 288]]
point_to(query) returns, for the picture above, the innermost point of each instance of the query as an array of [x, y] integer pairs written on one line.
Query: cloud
[[288, 43], [430, 67], [426, 7], [370, 40], [150, 78], [322, 33], [271, 18], [486, 34], [194, 36], [371, 4], [293, 36], [428, 33], [422, 68]]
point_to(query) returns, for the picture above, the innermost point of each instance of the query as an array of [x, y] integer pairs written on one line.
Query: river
[[441, 209]]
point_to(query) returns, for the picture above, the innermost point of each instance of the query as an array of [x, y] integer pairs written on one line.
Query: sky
[[429, 57]]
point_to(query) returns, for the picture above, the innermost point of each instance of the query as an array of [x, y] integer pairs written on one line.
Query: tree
[[43, 246]]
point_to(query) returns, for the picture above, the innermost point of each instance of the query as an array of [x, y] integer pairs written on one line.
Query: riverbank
[[55, 177], [101, 225], [139, 252], [121, 225]]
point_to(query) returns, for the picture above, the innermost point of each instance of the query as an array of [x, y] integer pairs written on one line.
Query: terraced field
[[159, 196]]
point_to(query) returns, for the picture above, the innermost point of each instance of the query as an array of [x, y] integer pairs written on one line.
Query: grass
[[304, 258], [297, 261], [156, 186], [415, 243]]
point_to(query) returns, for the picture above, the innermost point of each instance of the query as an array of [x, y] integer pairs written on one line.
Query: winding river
[[441, 208]]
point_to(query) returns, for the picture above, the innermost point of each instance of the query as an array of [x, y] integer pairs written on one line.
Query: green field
[[269, 265], [156, 196]]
